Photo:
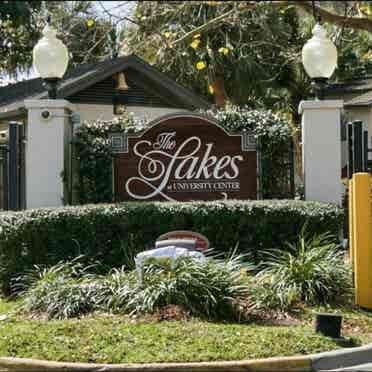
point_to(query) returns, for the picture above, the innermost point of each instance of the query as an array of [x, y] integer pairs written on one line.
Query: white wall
[[45, 152], [92, 112], [321, 150]]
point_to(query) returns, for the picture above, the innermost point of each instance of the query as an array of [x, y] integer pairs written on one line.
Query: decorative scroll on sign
[[184, 157]]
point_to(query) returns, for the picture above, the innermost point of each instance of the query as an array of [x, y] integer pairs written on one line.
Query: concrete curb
[[292, 364], [317, 362]]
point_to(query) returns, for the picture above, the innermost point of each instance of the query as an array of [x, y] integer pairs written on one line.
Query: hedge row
[[108, 233]]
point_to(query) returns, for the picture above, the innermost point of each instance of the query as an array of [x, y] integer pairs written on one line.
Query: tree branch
[[204, 27], [356, 23]]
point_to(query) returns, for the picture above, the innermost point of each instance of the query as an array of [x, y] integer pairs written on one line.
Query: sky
[[117, 8]]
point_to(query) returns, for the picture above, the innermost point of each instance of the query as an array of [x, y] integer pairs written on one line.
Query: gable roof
[[363, 100], [356, 92], [355, 85], [84, 76]]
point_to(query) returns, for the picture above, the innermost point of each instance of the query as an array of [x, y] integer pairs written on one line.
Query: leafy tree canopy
[[87, 36], [248, 52]]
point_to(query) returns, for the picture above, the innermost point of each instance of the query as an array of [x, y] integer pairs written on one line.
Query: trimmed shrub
[[112, 234]]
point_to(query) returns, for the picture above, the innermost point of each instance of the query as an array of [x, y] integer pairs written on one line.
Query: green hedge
[[107, 232]]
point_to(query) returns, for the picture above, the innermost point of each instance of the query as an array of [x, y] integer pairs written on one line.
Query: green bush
[[92, 150], [109, 234], [210, 288], [313, 271], [274, 137]]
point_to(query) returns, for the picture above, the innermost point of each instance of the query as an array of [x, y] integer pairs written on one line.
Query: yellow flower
[[366, 9], [167, 34], [196, 36], [210, 89], [89, 22], [201, 65], [195, 44], [224, 51], [367, 55]]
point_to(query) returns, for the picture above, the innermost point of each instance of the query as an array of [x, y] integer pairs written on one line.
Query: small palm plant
[[311, 271]]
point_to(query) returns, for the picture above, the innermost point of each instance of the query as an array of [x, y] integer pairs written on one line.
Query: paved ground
[[348, 359], [358, 368]]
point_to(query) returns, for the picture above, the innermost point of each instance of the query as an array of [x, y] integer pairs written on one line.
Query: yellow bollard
[[351, 224], [362, 242]]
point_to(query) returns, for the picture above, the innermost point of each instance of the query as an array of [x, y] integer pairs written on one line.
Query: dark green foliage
[[102, 232], [274, 143], [92, 152], [94, 164]]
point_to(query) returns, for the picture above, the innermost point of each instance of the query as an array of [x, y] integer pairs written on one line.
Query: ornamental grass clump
[[312, 271], [210, 288], [62, 291]]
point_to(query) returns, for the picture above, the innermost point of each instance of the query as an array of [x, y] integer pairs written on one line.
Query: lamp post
[[50, 59], [319, 58]]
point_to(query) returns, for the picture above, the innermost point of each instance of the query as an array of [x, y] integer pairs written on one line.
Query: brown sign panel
[[184, 157]]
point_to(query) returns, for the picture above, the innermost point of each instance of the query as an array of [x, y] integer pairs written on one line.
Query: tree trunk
[[219, 91]]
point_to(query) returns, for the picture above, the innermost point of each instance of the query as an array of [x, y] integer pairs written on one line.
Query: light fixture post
[[50, 59], [51, 84], [319, 58], [319, 86]]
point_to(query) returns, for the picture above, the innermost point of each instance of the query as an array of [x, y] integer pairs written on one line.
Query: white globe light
[[50, 55], [319, 54]]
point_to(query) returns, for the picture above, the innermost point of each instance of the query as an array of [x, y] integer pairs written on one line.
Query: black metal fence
[[3, 177], [358, 149], [12, 174]]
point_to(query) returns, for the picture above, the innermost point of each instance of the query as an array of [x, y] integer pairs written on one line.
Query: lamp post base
[[51, 85], [318, 85]]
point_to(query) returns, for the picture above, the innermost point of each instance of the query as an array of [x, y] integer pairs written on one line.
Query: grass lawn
[[116, 339]]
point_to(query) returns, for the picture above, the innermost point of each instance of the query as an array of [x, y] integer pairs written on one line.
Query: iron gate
[[12, 169], [358, 150], [3, 177]]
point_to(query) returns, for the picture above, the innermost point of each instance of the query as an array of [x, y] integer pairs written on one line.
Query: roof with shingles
[[360, 89], [81, 77], [356, 85], [363, 100]]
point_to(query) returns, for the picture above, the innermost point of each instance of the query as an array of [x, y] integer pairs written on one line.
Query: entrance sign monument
[[184, 157]]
